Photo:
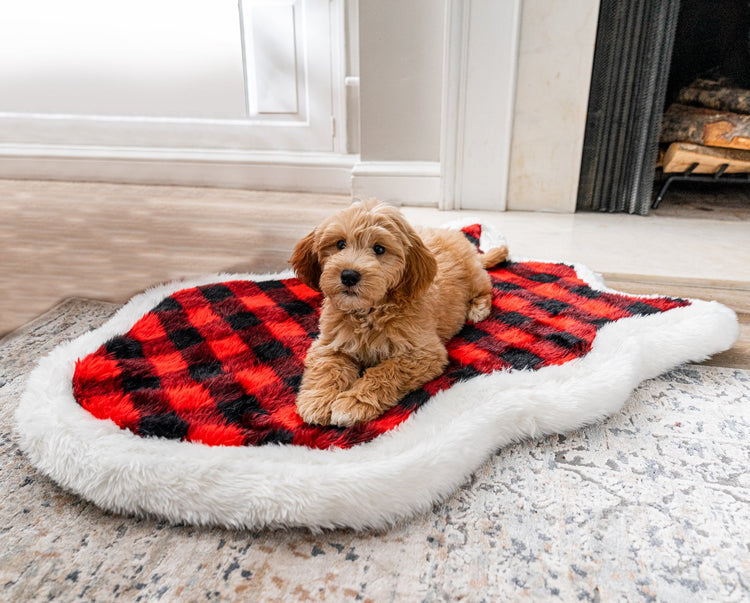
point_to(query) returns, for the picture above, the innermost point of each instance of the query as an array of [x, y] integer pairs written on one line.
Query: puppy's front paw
[[350, 408], [314, 407]]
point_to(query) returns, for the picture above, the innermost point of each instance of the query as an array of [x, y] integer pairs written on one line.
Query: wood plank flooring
[[110, 241], [734, 295]]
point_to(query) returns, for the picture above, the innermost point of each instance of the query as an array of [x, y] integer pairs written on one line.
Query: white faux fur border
[[395, 476]]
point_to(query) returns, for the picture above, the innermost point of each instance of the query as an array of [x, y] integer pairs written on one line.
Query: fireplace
[[628, 88], [652, 56]]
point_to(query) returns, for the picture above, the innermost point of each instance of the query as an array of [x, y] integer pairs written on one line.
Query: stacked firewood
[[709, 124]]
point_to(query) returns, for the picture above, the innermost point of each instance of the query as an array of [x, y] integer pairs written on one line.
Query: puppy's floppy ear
[[304, 260], [419, 270]]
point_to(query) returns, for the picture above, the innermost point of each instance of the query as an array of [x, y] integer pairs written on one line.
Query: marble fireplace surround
[[555, 56], [515, 90]]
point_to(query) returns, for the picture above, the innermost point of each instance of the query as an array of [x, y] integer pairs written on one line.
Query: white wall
[[401, 71], [401, 64], [400, 83]]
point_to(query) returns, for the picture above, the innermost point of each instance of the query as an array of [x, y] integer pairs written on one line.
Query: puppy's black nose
[[350, 277]]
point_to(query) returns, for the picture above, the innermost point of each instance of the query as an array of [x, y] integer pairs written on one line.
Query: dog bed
[[182, 405]]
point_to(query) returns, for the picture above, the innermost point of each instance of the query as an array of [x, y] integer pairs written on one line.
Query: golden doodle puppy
[[392, 298]]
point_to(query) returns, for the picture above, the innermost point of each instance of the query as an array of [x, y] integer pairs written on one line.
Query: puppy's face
[[361, 255]]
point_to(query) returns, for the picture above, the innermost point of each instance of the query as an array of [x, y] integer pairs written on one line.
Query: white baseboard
[[310, 172], [398, 182]]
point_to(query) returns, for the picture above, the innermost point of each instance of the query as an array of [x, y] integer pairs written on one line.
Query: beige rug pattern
[[652, 504]]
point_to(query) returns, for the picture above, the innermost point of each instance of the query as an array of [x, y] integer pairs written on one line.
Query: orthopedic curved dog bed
[[182, 405]]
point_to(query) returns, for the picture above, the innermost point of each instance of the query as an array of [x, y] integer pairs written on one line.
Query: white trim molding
[[398, 182], [479, 76], [262, 170]]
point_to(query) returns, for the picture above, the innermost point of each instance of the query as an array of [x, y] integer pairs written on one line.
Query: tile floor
[[673, 247]]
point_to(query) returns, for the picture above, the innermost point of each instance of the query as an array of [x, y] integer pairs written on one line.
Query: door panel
[[151, 58], [251, 75], [272, 73]]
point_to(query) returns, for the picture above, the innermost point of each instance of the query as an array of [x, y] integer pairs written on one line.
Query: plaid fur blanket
[[182, 404], [221, 364]]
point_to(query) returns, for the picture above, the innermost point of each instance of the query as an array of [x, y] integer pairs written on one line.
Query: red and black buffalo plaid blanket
[[221, 364]]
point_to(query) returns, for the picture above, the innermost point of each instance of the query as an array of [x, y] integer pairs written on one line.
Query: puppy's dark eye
[[378, 249], [341, 244]]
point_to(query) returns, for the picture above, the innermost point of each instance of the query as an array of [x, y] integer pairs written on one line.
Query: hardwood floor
[[110, 241], [734, 295]]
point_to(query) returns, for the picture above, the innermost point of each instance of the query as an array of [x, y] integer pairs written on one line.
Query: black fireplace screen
[[626, 102]]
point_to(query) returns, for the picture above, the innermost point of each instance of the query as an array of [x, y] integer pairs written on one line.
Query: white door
[[219, 74]]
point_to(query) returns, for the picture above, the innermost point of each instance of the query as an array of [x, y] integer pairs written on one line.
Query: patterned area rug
[[650, 504], [169, 408]]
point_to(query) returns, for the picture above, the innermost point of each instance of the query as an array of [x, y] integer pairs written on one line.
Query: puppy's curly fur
[[392, 298]]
